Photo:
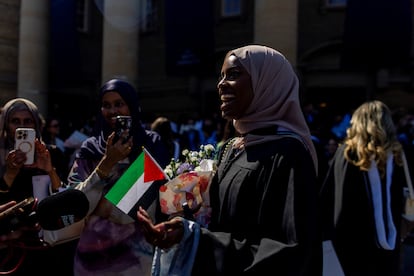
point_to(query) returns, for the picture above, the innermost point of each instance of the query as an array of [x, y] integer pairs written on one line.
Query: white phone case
[[25, 139]]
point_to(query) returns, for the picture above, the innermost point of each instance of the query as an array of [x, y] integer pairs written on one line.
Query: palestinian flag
[[133, 187]]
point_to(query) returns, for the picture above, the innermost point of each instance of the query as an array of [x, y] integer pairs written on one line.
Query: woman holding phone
[[111, 242], [15, 172], [20, 180]]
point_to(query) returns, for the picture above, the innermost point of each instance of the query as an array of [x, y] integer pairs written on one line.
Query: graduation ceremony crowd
[[288, 176]]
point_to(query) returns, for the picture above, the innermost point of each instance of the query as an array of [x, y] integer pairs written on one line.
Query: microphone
[[62, 209]]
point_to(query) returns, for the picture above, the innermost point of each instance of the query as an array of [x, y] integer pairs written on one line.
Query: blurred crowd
[[328, 131], [328, 128]]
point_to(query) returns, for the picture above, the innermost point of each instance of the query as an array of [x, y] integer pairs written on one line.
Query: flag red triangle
[[152, 171]]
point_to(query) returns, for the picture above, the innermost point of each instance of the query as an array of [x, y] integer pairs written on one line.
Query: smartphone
[[25, 141], [122, 123], [18, 215]]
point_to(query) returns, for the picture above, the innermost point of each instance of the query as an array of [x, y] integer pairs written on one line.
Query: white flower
[[192, 161]]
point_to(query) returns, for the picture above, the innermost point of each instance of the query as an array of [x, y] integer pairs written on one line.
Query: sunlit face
[[234, 88], [112, 106], [20, 118]]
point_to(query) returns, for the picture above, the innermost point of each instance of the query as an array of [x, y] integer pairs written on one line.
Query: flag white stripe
[[133, 195]]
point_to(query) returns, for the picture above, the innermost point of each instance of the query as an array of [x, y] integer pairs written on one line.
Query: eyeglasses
[[56, 125]]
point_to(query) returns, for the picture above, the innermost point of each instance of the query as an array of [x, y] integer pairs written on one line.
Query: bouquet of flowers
[[187, 191]]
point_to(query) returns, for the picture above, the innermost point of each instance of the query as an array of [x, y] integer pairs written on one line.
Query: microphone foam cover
[[62, 209]]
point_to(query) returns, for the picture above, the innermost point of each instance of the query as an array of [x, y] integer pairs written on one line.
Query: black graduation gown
[[265, 214], [354, 236]]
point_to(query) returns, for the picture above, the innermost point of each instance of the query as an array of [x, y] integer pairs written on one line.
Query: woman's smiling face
[[113, 105], [234, 88]]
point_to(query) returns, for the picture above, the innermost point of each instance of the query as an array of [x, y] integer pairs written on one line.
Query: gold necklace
[[226, 148]]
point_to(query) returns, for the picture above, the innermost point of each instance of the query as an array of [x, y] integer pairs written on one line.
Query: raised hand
[[164, 234]]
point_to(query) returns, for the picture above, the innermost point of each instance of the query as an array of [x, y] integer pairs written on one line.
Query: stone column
[[120, 40], [32, 80], [276, 25]]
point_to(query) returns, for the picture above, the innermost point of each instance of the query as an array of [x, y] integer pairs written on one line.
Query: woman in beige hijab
[[264, 193]]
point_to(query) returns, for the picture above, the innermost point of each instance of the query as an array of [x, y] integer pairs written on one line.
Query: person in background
[[189, 132], [14, 174], [111, 242], [312, 117], [208, 131], [330, 148], [264, 195], [51, 132], [362, 196], [19, 181], [51, 138], [162, 126]]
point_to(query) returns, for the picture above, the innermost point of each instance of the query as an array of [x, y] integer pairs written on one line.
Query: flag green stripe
[[133, 195], [126, 181]]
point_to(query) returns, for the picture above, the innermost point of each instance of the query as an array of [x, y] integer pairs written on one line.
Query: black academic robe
[[265, 214], [354, 234]]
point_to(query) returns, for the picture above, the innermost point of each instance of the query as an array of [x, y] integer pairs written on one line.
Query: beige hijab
[[276, 97]]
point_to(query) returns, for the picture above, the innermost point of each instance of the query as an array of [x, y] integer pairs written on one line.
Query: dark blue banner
[[64, 44], [377, 34], [189, 36]]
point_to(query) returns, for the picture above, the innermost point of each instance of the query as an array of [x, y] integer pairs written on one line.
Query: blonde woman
[[362, 194]]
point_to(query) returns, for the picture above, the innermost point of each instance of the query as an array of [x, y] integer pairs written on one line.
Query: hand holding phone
[[122, 124], [25, 141]]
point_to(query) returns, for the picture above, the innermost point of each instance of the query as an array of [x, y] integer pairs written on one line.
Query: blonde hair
[[371, 135]]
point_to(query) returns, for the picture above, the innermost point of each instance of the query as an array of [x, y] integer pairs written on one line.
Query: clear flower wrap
[[188, 191]]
